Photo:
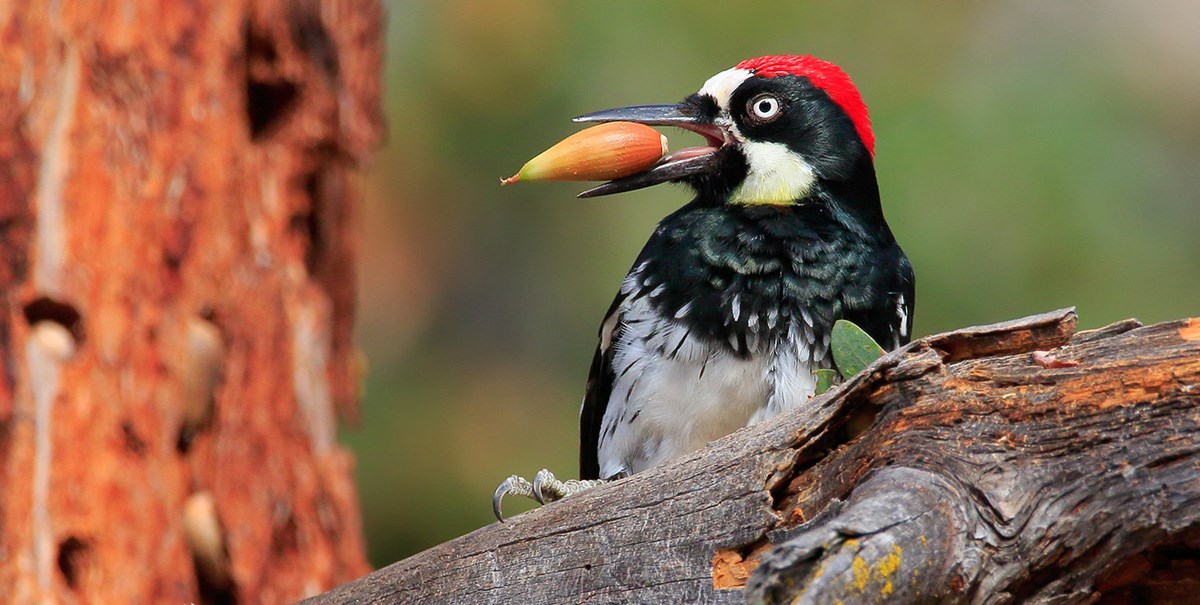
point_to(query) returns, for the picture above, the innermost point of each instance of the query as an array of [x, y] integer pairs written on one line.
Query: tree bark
[[178, 183], [1017, 462]]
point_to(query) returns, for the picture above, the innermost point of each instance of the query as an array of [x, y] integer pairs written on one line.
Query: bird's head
[[775, 127]]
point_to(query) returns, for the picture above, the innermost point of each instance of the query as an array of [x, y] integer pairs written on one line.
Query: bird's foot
[[545, 488]]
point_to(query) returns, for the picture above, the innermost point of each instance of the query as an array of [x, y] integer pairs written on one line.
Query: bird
[[727, 311]]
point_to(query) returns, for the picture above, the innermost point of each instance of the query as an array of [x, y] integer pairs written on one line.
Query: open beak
[[676, 166]]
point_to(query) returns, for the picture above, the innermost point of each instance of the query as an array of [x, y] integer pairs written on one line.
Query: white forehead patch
[[722, 85]]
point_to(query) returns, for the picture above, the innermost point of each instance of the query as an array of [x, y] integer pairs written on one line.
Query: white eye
[[764, 108]]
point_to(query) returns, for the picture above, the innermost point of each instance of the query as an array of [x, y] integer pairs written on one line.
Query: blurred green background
[[1032, 155]]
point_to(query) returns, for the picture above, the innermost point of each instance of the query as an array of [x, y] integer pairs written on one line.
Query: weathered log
[[1017, 462]]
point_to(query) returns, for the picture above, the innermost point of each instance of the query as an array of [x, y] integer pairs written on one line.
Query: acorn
[[601, 153]]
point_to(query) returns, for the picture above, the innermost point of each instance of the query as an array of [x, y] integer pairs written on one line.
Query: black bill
[[673, 167]]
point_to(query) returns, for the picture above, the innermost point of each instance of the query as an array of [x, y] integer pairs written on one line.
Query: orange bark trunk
[[178, 190]]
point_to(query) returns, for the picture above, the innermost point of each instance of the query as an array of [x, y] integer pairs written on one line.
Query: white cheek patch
[[722, 85], [775, 175]]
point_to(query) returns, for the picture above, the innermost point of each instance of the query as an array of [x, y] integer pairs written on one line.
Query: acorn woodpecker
[[728, 310]]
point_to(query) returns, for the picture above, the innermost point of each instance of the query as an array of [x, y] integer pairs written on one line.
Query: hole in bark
[[61, 313], [206, 539], [284, 533], [858, 423], [587, 566], [269, 96], [134, 443], [183, 441], [267, 103], [177, 241], [211, 594], [843, 430], [201, 377], [207, 312], [72, 558], [214, 590]]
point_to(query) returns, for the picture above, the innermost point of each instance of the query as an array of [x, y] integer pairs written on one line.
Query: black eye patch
[[809, 122], [783, 88]]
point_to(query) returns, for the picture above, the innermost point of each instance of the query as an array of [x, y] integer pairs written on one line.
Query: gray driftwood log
[[1018, 462]]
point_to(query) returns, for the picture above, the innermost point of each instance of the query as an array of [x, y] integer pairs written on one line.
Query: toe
[[516, 485], [543, 486]]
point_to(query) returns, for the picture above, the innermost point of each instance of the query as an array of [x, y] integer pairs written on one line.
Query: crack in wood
[[962, 490]]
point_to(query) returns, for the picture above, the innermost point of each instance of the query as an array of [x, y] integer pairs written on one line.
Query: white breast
[[675, 391]]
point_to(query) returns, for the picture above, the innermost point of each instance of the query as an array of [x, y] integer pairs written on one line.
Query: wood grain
[[981, 477]]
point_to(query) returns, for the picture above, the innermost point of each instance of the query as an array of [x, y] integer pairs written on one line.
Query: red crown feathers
[[824, 75]]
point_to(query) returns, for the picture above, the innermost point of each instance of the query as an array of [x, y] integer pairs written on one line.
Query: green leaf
[[853, 349], [825, 379]]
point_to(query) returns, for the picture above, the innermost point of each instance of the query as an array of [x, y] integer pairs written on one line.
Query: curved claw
[[501, 490], [544, 488], [539, 481], [516, 485]]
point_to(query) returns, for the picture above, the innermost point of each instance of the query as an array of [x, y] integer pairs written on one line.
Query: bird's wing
[[904, 309], [887, 312], [599, 387], [906, 301]]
